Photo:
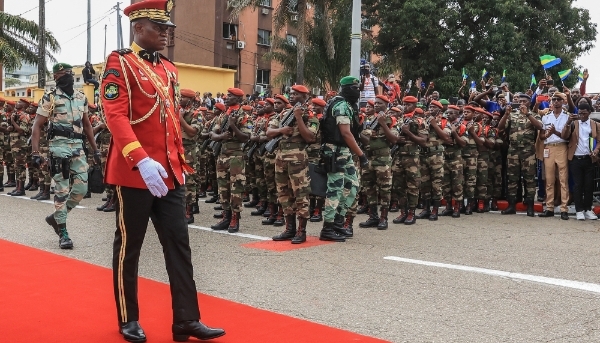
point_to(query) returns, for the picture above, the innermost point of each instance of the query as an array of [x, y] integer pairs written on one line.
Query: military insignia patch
[[111, 71], [169, 7], [111, 91]]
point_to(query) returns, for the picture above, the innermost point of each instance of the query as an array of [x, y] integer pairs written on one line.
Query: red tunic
[[137, 130]]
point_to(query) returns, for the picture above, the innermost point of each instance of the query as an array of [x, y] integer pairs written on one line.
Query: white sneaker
[[580, 216], [590, 215]]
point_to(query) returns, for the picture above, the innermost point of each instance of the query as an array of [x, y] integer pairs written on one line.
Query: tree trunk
[[301, 42]]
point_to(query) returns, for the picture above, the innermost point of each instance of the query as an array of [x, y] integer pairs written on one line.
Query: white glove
[[153, 174]]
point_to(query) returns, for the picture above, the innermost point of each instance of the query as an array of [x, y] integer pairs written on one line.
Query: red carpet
[[311, 241], [51, 298]]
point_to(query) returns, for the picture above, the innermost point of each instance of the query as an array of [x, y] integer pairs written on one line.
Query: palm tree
[[18, 42]]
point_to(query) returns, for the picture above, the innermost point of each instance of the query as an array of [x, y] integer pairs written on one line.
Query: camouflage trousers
[[342, 186], [452, 186], [231, 178], [3, 152], [211, 167], [269, 170], [470, 171], [377, 178], [43, 172], [190, 180], [432, 175], [292, 180], [201, 166], [259, 172], [314, 155], [20, 162], [69, 192], [250, 174], [405, 180], [354, 207], [9, 160], [495, 175], [521, 163], [483, 163]]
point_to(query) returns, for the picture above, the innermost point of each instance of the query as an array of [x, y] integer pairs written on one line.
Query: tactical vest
[[330, 132]]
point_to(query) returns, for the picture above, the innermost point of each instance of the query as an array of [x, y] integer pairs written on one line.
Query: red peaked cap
[[270, 100], [437, 104], [410, 99], [282, 98], [188, 93], [384, 98], [300, 89], [220, 106], [371, 102], [319, 102], [247, 108], [235, 91], [453, 107]]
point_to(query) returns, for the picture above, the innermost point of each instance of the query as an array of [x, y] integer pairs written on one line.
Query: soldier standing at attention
[[211, 172], [66, 109], [520, 125], [314, 155], [340, 131], [452, 187], [470, 153], [19, 134], [259, 139], [32, 171], [188, 118], [231, 129], [103, 137], [146, 163], [4, 147], [9, 161], [291, 163]]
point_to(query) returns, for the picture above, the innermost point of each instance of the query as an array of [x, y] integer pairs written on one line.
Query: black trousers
[[134, 208], [582, 170]]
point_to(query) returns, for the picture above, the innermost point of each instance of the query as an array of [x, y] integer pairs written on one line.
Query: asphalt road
[[351, 286]]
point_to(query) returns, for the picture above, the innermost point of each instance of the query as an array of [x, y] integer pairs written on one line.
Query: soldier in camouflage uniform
[[432, 162], [470, 153], [201, 166], [483, 158], [340, 130], [412, 133], [291, 163], [250, 184], [377, 137], [230, 159], [259, 138], [521, 125], [18, 144], [67, 111], [103, 137], [43, 176], [316, 202], [9, 161], [190, 127], [4, 148], [32, 172], [495, 171], [210, 156], [452, 186]]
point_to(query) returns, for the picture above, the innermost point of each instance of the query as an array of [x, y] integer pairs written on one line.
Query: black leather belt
[[581, 157]]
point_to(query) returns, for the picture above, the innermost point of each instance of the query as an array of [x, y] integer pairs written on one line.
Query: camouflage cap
[[61, 66], [349, 80]]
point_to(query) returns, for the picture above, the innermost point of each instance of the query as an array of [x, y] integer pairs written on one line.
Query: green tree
[[435, 39], [18, 42]]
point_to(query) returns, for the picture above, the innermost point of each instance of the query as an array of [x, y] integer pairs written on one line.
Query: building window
[[230, 31], [171, 37], [263, 77], [230, 66], [292, 39], [265, 3], [264, 37]]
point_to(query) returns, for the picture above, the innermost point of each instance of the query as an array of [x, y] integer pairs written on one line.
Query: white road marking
[[584, 286], [44, 201], [224, 232]]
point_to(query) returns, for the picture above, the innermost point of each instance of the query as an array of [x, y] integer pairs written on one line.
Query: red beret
[[34, 104], [300, 89], [220, 106], [188, 93], [384, 98], [235, 91], [270, 100], [10, 102], [25, 101], [410, 99], [396, 109], [282, 98], [262, 103], [247, 108], [437, 104], [470, 108], [319, 102], [453, 107], [480, 110], [371, 102], [419, 111], [203, 109], [2, 99]]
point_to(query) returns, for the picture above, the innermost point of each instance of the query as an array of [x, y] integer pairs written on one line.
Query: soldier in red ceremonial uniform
[[146, 163]]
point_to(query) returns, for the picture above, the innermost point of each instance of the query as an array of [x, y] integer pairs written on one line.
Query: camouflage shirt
[[4, 122], [416, 126], [19, 140], [310, 120], [233, 146], [521, 132], [64, 112], [433, 140], [377, 136], [191, 117]]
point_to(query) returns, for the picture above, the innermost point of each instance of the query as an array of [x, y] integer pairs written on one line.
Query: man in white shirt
[[555, 155], [369, 86], [582, 134]]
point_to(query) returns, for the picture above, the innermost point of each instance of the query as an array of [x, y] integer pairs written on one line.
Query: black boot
[[457, 205], [394, 206], [224, 223], [434, 211], [112, 202], [255, 199], [87, 195], [494, 206], [195, 207], [103, 206], [426, 211], [189, 217], [338, 226], [19, 191], [317, 214], [28, 184], [449, 210], [373, 220], [511, 209], [383, 220], [328, 233], [52, 222], [279, 221], [214, 199], [469, 207], [11, 182], [34, 185], [301, 233], [262, 207], [273, 215], [219, 215], [218, 208], [290, 229], [234, 224], [530, 209], [202, 191], [402, 217], [348, 224], [40, 193], [410, 217], [46, 194], [364, 207], [268, 211], [245, 197], [64, 242]]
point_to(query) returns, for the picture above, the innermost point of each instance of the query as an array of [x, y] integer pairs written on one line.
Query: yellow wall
[[205, 79]]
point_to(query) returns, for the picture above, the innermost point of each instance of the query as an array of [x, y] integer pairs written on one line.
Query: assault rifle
[[288, 120], [207, 141], [254, 145], [395, 147], [216, 147]]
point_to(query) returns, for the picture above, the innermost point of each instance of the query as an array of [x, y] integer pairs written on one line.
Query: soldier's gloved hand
[[364, 161], [153, 174], [36, 160], [97, 159]]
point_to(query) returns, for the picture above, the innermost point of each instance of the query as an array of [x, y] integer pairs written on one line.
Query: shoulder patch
[[123, 51], [111, 71], [111, 91]]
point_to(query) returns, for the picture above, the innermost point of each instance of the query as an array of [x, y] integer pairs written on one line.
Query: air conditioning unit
[[241, 44], [264, 11], [259, 89], [295, 17]]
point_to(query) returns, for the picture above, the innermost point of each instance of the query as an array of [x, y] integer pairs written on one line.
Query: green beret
[[349, 80], [444, 102], [60, 66]]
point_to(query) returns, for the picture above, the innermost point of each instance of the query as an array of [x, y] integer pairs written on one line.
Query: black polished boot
[[64, 242], [410, 217], [434, 211], [40, 193], [11, 182], [52, 222], [348, 224], [317, 214], [338, 226], [260, 209], [449, 210], [394, 206], [469, 207], [234, 224], [426, 211], [255, 199], [301, 232], [195, 207], [511, 209], [183, 330], [189, 217], [279, 221], [87, 195], [273, 215], [383, 219], [402, 217], [224, 223], [19, 191], [214, 198], [103, 206], [245, 197], [34, 186], [530, 209], [364, 207], [202, 191], [373, 220], [268, 211], [328, 233], [46, 194], [290, 229], [218, 208], [132, 332], [112, 203], [457, 207]]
